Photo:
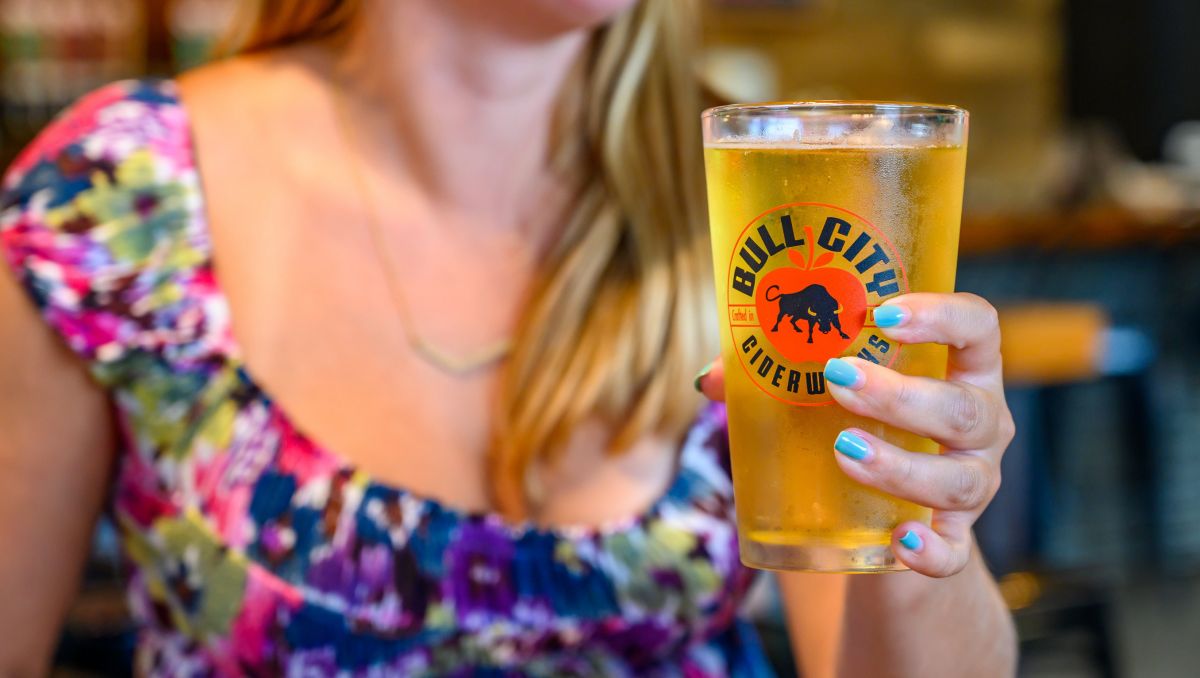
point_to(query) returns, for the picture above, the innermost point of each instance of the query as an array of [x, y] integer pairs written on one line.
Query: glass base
[[816, 557]]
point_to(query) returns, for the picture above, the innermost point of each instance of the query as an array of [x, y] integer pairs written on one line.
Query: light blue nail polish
[[890, 316], [698, 382], [842, 373], [912, 541], [852, 445]]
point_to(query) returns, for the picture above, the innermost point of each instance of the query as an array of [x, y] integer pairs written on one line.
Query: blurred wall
[[1000, 60], [1134, 64]]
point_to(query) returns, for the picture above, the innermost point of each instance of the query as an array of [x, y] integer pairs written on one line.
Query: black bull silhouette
[[814, 304]]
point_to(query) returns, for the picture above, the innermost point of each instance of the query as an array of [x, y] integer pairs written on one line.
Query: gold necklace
[[458, 365]]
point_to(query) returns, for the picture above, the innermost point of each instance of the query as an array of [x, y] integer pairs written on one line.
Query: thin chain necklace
[[458, 365]]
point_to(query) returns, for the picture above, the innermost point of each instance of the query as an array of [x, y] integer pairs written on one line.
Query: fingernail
[[852, 445], [843, 373], [890, 316], [701, 375], [911, 541]]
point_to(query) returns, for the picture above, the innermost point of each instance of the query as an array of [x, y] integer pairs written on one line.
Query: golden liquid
[[788, 488]]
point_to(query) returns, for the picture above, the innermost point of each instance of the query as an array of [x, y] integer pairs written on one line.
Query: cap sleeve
[[100, 221]]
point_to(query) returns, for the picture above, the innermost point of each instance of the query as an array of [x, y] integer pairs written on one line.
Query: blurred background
[[1082, 224]]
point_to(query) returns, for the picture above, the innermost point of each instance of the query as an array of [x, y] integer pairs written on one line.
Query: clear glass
[[820, 212]]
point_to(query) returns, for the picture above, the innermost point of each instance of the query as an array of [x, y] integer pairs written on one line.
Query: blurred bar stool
[[1051, 344], [1046, 345]]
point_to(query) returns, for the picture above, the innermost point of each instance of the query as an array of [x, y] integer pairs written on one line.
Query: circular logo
[[804, 280]]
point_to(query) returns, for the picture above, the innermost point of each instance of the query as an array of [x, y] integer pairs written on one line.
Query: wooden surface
[[1100, 228]]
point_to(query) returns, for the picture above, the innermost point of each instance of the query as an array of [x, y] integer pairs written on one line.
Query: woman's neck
[[468, 95]]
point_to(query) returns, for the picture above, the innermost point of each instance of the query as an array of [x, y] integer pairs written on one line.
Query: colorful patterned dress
[[254, 551]]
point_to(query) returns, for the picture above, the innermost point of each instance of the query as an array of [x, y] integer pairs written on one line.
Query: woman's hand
[[966, 414]]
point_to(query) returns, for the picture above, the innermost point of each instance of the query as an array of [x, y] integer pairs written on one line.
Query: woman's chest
[[252, 537], [317, 322]]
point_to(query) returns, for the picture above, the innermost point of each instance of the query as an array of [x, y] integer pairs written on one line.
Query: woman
[[460, 243]]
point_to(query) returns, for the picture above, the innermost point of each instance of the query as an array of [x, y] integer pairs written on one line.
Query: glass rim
[[836, 106]]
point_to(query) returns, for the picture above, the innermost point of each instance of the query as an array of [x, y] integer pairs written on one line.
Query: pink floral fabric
[[254, 551]]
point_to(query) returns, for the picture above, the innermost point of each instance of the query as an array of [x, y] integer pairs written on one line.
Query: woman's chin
[[554, 16], [583, 13]]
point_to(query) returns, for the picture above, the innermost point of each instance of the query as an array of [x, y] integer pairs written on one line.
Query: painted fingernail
[[843, 373], [911, 541], [698, 382], [852, 445], [890, 316]]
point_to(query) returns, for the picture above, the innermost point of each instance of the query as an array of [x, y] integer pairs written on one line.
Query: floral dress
[[254, 551]]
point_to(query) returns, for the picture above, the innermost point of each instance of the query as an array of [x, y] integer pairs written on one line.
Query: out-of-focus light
[[1020, 589]]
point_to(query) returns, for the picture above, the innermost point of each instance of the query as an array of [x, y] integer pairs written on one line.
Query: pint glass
[[819, 213]]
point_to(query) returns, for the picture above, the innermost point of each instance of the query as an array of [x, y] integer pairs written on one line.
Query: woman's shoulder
[[101, 221]]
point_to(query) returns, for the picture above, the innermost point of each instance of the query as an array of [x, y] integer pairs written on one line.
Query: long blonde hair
[[620, 319]]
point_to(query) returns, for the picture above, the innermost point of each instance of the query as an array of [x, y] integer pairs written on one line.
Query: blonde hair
[[621, 317]]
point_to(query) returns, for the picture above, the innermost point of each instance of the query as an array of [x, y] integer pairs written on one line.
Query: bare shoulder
[[249, 112], [260, 79]]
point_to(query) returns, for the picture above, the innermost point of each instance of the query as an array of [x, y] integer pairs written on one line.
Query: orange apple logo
[[810, 311], [801, 283]]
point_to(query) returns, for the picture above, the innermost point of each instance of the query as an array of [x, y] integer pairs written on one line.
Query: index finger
[[966, 323]]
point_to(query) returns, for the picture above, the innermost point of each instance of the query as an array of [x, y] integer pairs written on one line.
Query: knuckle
[[990, 318], [1008, 429], [995, 480], [976, 301], [903, 471], [977, 314], [904, 397], [952, 564], [964, 412], [989, 325], [945, 567], [970, 487], [941, 563]]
